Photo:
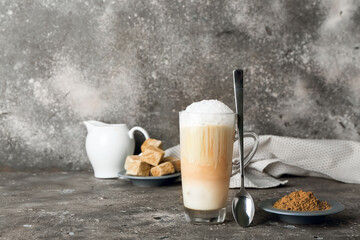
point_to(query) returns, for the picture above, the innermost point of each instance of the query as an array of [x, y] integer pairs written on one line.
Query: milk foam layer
[[207, 112]]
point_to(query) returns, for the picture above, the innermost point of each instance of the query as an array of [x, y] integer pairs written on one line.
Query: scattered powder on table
[[301, 201]]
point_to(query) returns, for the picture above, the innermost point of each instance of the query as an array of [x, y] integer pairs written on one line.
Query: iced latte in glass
[[207, 130]]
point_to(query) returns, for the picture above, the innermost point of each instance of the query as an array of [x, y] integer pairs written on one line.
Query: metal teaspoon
[[243, 207]]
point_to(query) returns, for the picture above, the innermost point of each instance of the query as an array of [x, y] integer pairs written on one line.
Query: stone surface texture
[[76, 205], [141, 62]]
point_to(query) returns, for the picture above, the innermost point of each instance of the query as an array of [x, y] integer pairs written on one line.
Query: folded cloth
[[276, 156]]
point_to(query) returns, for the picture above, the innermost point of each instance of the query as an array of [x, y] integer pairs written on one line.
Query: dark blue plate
[[151, 181], [299, 217]]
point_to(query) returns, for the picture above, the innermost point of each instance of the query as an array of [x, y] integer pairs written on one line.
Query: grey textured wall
[[140, 62]]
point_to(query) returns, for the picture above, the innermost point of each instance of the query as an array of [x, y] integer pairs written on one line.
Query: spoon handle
[[239, 98]]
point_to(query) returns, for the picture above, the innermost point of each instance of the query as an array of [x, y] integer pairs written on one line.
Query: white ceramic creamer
[[108, 145]]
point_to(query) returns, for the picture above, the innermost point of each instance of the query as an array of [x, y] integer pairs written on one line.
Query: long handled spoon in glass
[[243, 207]]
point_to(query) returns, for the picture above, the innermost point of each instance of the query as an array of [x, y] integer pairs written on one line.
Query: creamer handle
[[140, 129]]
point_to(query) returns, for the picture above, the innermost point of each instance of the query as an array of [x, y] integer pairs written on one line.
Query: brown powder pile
[[301, 201]]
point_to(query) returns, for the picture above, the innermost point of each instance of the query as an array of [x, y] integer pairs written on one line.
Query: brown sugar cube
[[175, 161], [138, 168], [150, 142], [129, 160], [152, 155], [163, 169]]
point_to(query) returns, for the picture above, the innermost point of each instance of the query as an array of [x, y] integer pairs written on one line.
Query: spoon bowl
[[243, 208]]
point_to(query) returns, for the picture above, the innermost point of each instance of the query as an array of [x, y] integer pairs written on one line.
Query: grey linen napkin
[[334, 159]]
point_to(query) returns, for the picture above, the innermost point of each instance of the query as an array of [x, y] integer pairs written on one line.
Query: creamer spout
[[92, 124]]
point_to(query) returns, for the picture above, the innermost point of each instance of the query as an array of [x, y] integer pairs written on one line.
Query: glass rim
[[201, 113]]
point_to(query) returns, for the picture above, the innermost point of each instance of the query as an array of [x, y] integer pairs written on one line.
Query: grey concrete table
[[76, 205]]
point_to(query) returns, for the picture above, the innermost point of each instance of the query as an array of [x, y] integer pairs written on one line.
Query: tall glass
[[206, 142]]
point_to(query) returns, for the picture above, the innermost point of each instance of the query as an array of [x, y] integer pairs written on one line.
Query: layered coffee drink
[[207, 130]]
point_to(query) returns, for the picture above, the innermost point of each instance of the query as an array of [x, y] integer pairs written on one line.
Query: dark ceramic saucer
[[151, 181], [299, 217]]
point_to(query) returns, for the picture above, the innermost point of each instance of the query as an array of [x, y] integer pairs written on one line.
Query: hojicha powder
[[301, 201]]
